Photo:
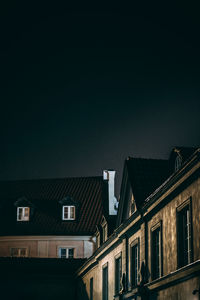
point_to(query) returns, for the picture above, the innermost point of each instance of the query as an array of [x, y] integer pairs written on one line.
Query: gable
[[140, 178]]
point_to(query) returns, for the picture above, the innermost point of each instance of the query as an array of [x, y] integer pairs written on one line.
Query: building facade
[[53, 218], [154, 252]]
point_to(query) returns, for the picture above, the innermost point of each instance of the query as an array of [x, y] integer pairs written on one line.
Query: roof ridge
[[50, 179], [144, 158]]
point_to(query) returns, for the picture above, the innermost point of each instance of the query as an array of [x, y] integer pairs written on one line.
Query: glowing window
[[68, 213], [23, 213]]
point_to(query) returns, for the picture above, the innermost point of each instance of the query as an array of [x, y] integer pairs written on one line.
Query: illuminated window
[[68, 213], [184, 243], [118, 274], [65, 252], [135, 263], [156, 252], [19, 252], [23, 213]]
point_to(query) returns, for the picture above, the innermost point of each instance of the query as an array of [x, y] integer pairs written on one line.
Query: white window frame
[[23, 217], [70, 207], [19, 250], [67, 252]]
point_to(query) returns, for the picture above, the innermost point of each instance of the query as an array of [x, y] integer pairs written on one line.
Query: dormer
[[24, 209], [178, 157], [104, 226], [178, 160], [69, 209], [132, 205], [98, 240]]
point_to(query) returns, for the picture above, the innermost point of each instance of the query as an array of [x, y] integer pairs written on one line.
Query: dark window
[[178, 162], [91, 288], [156, 262], [19, 252], [135, 265], [118, 274], [184, 237], [105, 283]]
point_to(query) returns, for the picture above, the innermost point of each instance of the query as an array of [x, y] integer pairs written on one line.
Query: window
[[68, 213], [156, 252], [23, 213], [178, 162], [105, 283], [65, 252], [98, 239], [91, 288], [105, 232], [184, 244], [135, 263], [19, 252], [118, 274]]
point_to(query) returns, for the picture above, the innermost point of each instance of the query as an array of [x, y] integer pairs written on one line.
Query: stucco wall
[[96, 273], [167, 216], [47, 246]]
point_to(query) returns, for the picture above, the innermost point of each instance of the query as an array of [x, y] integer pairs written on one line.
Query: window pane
[[156, 253], [22, 252], [184, 237], [72, 212], [14, 251], [26, 212], [20, 210], [118, 274], [63, 252], [134, 264], [70, 253], [66, 212], [105, 284]]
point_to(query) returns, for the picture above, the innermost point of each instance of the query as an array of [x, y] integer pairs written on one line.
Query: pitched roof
[[146, 175], [44, 196]]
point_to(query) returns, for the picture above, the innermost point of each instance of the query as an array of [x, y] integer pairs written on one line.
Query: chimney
[[109, 175]]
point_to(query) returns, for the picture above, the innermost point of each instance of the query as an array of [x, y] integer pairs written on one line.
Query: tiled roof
[[44, 195], [146, 175]]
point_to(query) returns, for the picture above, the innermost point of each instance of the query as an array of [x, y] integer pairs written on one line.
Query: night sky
[[82, 88]]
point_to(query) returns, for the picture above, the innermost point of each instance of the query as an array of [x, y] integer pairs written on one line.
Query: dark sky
[[82, 88]]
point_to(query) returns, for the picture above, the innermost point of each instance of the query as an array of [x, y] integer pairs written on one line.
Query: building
[[154, 252], [54, 218]]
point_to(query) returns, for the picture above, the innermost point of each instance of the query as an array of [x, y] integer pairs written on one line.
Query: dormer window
[[105, 232], [178, 162], [68, 212], [98, 239], [23, 213]]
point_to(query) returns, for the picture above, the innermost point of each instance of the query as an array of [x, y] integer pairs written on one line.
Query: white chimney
[[113, 204]]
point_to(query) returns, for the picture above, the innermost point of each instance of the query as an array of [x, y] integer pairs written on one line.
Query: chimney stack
[[109, 175]]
